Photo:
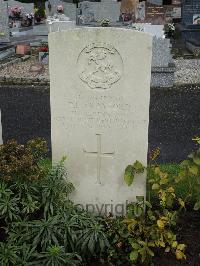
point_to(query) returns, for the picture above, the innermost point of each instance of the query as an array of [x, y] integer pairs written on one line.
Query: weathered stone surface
[[27, 8], [97, 11], [100, 111], [162, 56], [69, 8], [60, 25], [129, 6], [4, 30]]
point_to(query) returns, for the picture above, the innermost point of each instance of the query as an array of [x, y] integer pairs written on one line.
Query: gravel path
[[24, 69], [188, 71]]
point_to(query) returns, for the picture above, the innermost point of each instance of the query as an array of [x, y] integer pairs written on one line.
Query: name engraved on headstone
[[109, 112], [100, 65]]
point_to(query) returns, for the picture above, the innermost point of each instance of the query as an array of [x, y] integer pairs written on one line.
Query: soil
[[188, 232]]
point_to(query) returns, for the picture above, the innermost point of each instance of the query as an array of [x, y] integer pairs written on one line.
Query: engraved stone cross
[[99, 154]]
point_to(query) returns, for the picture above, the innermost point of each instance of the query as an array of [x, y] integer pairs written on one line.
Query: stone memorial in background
[[60, 25], [4, 30], [59, 22], [163, 67], [100, 111], [155, 2], [129, 6], [97, 11], [190, 13], [27, 8], [140, 12], [155, 14], [69, 8], [154, 30]]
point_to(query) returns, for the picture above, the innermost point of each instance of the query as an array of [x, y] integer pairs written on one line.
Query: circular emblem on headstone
[[100, 65]]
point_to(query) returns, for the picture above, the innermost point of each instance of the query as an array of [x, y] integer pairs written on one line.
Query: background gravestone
[[69, 8], [155, 14], [163, 67], [27, 8], [140, 12], [100, 110], [156, 2], [190, 10], [162, 56], [129, 6], [97, 11], [4, 30]]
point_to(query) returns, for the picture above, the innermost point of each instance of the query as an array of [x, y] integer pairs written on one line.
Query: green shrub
[[56, 256], [41, 226], [190, 173], [151, 229]]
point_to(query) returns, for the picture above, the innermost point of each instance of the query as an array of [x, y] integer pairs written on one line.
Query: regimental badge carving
[[100, 65]]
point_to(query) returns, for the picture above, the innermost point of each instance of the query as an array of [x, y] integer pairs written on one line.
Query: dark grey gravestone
[[189, 9], [4, 29], [190, 27]]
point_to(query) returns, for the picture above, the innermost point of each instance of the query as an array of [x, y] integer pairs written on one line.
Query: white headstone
[[100, 90]]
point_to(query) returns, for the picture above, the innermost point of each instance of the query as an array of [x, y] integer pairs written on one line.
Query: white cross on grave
[[99, 154]]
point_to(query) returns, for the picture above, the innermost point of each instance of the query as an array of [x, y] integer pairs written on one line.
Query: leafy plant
[[117, 234], [131, 170], [151, 229], [42, 233], [92, 238], [8, 254], [41, 226], [26, 256], [56, 256], [190, 169], [55, 189], [21, 161], [9, 209]]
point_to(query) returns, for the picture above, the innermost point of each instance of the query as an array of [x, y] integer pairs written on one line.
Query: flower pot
[[23, 49]]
